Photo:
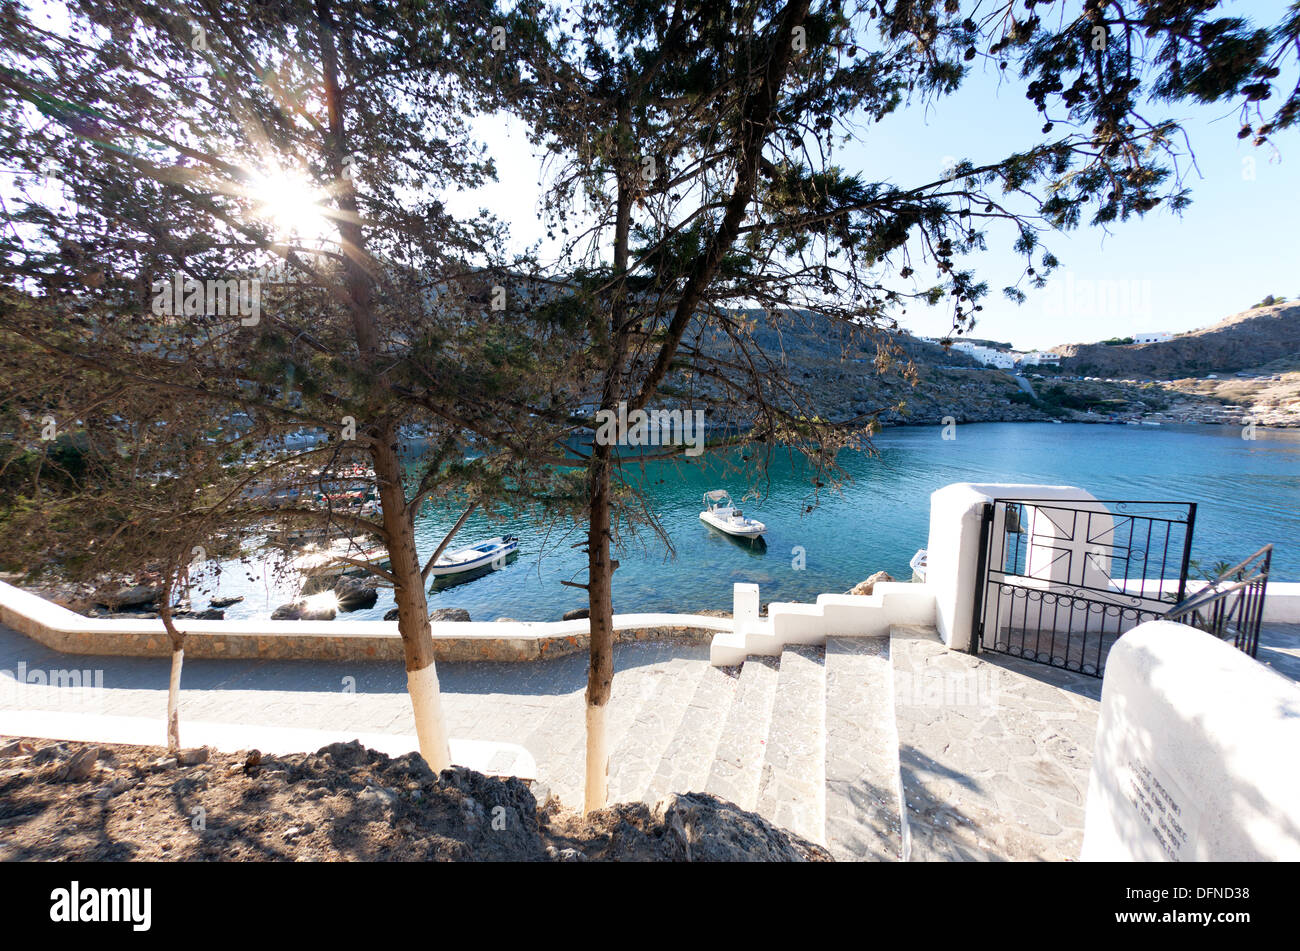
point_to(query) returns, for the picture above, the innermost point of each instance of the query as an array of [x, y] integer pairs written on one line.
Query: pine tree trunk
[[177, 639], [600, 670], [412, 605], [612, 338], [399, 522], [174, 701]]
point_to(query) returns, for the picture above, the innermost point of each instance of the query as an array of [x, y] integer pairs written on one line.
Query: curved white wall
[[1196, 754]]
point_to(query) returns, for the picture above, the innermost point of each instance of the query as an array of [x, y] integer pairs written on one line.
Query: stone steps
[[792, 787], [566, 745], [555, 742], [636, 756], [736, 772], [937, 759], [879, 747], [685, 764], [993, 762], [863, 818]]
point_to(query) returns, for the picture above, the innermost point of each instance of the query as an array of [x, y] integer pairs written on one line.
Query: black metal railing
[[1231, 607], [1061, 580]]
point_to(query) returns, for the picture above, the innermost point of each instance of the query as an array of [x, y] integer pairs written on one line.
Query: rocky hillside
[[1251, 340], [839, 367]]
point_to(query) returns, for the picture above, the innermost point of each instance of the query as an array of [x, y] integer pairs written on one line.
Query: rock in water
[[127, 596], [441, 614], [317, 614], [449, 614], [866, 587], [355, 594], [302, 611], [577, 614], [209, 614], [324, 581]]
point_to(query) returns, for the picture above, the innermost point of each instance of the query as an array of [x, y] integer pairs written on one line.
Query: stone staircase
[[875, 747]]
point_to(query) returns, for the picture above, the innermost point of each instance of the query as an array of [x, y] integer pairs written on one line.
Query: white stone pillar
[[744, 599]]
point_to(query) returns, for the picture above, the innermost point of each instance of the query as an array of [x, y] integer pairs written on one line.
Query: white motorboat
[[919, 564], [720, 513], [479, 555]]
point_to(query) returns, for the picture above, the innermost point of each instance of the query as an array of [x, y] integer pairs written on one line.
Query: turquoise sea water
[[1248, 494]]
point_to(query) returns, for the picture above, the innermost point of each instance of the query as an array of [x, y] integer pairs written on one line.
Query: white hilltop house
[[1158, 336], [1006, 359], [989, 356], [1040, 358]]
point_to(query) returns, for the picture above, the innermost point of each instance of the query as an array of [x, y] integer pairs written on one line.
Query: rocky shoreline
[[996, 398]]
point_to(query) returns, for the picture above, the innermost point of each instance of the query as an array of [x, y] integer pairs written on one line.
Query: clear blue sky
[[1239, 240]]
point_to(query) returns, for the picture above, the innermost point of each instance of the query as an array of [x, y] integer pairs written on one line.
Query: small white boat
[[720, 513], [475, 556], [919, 564]]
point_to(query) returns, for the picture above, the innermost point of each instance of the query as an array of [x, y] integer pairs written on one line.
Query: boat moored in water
[[472, 557], [919, 564], [721, 513]]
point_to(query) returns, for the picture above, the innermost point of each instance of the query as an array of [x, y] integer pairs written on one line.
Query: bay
[[1248, 493]]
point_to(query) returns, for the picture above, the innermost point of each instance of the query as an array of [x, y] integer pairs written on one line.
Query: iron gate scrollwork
[[1059, 581]]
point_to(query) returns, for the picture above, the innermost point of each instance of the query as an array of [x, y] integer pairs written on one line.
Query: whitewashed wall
[[1197, 755]]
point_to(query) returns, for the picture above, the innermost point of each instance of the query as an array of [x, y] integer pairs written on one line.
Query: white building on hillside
[[1040, 358], [1154, 337], [1003, 359]]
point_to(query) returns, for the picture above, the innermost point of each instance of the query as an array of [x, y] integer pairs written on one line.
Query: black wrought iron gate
[[1059, 581]]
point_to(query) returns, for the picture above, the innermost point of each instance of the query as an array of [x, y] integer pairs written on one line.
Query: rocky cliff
[[838, 366], [1250, 340]]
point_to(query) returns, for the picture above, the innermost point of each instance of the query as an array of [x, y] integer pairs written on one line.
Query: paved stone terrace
[[1279, 648], [991, 754], [994, 752], [537, 704]]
